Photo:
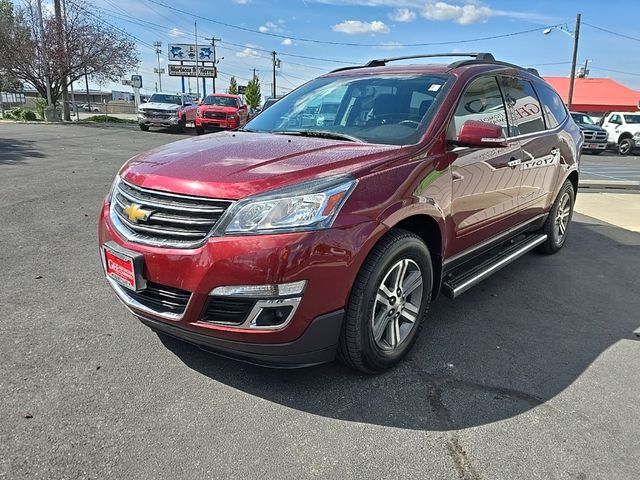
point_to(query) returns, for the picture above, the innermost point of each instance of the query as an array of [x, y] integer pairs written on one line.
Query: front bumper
[[594, 145], [157, 122], [216, 122], [328, 260]]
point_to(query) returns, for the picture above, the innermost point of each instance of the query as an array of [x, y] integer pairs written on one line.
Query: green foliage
[[21, 114], [41, 104], [233, 86], [252, 94], [108, 119]]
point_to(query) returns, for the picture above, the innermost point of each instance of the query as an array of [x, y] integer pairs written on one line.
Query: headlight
[[232, 116], [310, 206]]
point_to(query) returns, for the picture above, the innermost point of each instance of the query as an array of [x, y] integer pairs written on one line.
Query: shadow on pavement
[[505, 347], [14, 151]]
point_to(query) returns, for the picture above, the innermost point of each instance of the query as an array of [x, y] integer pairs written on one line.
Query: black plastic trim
[[315, 346]]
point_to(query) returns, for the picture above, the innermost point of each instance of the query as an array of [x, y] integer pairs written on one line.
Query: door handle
[[514, 162]]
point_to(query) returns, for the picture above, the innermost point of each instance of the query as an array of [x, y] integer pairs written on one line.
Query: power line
[[629, 37], [614, 71], [348, 44]]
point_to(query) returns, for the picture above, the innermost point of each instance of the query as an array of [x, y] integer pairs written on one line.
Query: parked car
[[623, 129], [596, 138], [173, 110], [90, 108], [269, 102], [290, 246], [221, 110]]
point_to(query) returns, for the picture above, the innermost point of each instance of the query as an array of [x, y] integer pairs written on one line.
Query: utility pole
[[195, 27], [73, 96], [215, 59], [276, 63], [50, 112], [61, 47], [576, 36], [158, 45]]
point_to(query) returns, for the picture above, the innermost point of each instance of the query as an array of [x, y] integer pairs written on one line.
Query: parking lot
[[611, 166], [533, 374]]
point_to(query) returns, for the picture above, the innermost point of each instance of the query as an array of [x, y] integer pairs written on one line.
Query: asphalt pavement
[[611, 166], [533, 374]]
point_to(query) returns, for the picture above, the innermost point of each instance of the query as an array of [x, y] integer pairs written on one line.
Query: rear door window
[[524, 107], [553, 107], [481, 101]]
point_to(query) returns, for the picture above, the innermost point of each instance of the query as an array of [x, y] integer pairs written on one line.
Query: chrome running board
[[465, 276]]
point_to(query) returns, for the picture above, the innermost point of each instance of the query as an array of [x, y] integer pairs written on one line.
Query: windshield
[[632, 118], [388, 109], [582, 118], [162, 98], [221, 101]]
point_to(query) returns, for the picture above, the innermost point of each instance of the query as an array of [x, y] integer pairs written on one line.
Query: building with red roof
[[597, 94]]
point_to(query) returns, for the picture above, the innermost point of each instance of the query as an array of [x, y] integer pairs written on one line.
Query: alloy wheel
[[398, 301], [562, 217]]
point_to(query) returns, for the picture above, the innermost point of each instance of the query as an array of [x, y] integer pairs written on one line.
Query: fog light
[[261, 291], [271, 317]]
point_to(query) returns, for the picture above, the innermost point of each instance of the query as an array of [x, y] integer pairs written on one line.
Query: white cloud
[[175, 32], [248, 52], [462, 14], [273, 27], [286, 41], [242, 2], [357, 27], [403, 15]]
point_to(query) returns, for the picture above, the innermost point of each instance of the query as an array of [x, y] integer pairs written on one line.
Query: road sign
[[242, 89], [190, 71], [159, 70], [136, 81], [188, 53]]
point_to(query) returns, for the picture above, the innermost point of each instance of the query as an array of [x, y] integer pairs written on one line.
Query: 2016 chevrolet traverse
[[304, 236]]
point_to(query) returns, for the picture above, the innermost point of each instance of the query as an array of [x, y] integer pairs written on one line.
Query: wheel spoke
[[393, 333], [383, 299], [562, 228], [380, 324], [410, 312], [411, 282], [402, 271]]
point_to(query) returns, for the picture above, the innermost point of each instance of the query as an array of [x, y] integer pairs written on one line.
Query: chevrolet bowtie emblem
[[135, 213]]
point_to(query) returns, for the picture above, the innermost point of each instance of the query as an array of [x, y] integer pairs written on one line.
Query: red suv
[[221, 110], [304, 237]]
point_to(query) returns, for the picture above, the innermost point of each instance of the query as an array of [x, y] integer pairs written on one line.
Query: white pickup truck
[[167, 110], [623, 129]]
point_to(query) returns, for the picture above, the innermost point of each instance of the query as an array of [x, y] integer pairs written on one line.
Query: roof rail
[[477, 56], [462, 63]]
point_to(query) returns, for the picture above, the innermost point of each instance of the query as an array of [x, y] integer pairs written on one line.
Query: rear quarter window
[[552, 105], [524, 107]]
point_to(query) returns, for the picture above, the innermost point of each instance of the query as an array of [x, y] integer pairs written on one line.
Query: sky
[[312, 37]]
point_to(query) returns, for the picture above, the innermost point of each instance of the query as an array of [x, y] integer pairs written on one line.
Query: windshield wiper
[[319, 134]]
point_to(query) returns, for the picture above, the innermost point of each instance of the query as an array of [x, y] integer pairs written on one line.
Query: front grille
[[157, 113], [231, 311], [162, 299], [215, 115], [595, 136], [172, 220]]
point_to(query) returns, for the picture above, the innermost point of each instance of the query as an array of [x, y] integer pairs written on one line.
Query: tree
[[233, 86], [86, 45], [252, 94]]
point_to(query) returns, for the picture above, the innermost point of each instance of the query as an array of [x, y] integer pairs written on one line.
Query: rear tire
[[143, 127], [388, 303], [182, 123], [199, 130], [625, 146], [557, 224]]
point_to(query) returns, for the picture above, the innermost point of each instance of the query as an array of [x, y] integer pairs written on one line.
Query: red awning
[[597, 94]]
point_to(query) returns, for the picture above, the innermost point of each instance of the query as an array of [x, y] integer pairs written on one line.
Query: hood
[[592, 128], [159, 106], [235, 165], [217, 108]]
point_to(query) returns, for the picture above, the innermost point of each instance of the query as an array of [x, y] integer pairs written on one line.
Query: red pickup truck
[[298, 239], [221, 110]]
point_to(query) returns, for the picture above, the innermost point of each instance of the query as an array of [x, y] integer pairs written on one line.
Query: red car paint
[[429, 184], [227, 117]]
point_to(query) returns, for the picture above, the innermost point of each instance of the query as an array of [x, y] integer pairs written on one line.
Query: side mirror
[[480, 134]]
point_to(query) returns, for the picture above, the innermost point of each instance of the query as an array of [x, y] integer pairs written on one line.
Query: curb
[[609, 184]]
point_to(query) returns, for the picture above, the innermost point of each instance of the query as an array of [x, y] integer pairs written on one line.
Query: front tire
[[389, 300], [143, 127], [557, 224], [182, 123], [625, 146], [199, 130]]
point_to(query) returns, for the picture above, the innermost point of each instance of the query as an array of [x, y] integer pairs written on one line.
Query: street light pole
[[158, 46], [576, 37]]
